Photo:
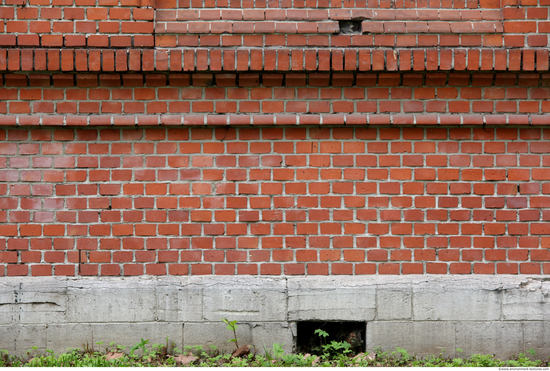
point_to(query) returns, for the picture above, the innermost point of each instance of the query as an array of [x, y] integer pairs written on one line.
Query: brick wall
[[78, 23], [274, 138], [291, 200]]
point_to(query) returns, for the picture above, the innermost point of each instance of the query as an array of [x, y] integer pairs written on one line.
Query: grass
[[334, 354], [323, 354]]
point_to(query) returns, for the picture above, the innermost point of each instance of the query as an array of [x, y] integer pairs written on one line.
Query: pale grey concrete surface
[[8, 336], [215, 333], [266, 334], [130, 334], [394, 304], [331, 298], [500, 338], [99, 300], [448, 304], [257, 301], [536, 336], [61, 337], [419, 337], [179, 303], [504, 315]]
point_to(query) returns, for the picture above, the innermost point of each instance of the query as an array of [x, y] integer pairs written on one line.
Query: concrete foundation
[[502, 315]]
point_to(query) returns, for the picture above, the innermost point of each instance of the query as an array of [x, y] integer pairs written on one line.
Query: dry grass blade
[[182, 360], [112, 355], [241, 351]]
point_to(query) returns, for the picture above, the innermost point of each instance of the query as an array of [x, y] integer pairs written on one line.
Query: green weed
[[232, 326], [333, 354]]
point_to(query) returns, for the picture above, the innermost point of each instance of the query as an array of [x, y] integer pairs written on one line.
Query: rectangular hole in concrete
[[352, 332]]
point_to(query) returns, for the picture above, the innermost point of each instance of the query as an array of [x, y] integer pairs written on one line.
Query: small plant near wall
[[232, 326], [240, 351]]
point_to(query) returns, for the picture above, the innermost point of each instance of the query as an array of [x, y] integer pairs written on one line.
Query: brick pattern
[[274, 201], [77, 23], [392, 137], [321, 28], [270, 24], [318, 23], [280, 99], [273, 60]]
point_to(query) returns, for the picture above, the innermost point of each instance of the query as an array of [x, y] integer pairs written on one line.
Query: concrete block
[[61, 337], [9, 284], [418, 313], [42, 307], [9, 310], [420, 338], [456, 304], [112, 301], [216, 333], [526, 302], [7, 297], [394, 304], [177, 303], [500, 338], [518, 305], [127, 335], [268, 333], [23, 302], [536, 336], [29, 336], [41, 312], [8, 335], [312, 298], [245, 301], [45, 284]]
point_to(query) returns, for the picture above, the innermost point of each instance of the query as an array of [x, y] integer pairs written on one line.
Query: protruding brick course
[[272, 60]]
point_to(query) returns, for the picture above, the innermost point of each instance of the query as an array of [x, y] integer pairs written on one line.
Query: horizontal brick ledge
[[276, 119], [275, 60], [274, 79]]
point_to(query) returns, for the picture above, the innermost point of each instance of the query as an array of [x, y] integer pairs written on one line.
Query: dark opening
[[350, 27], [352, 332]]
